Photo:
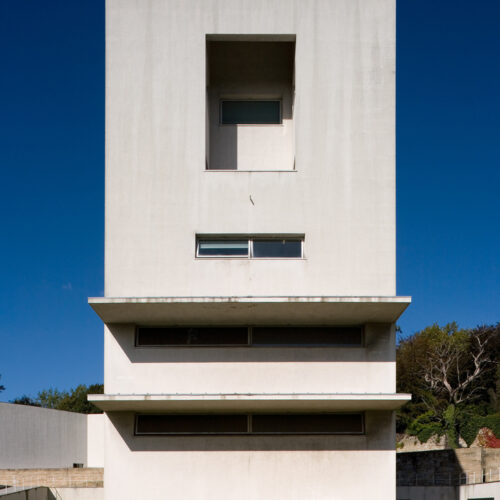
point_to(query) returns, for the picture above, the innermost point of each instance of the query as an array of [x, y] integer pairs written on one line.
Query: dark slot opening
[[192, 336], [191, 424], [339, 423], [307, 336]]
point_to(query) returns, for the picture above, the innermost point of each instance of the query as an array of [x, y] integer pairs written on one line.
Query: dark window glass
[[192, 336], [307, 336], [191, 424], [250, 112], [230, 248], [277, 248], [339, 423]]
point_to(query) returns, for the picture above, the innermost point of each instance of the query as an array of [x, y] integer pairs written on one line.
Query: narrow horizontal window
[[251, 247], [191, 336], [307, 336], [277, 248], [340, 423], [251, 112], [311, 423], [222, 248], [257, 336], [191, 424]]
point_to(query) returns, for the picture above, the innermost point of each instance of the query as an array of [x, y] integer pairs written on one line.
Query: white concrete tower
[[250, 296]]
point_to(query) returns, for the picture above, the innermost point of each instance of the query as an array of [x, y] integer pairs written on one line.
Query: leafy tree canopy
[[454, 378], [72, 400]]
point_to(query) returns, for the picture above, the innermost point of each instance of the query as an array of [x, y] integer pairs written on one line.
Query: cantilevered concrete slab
[[249, 310], [321, 402]]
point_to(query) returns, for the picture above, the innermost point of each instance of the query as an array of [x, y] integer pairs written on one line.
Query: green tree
[[2, 388], [72, 400], [450, 372]]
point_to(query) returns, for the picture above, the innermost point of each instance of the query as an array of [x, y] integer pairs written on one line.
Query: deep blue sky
[[52, 166]]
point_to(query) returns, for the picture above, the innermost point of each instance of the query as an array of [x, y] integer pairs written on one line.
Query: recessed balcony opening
[[250, 97]]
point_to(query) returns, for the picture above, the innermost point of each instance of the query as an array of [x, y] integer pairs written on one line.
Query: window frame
[[250, 431], [251, 99], [250, 240]]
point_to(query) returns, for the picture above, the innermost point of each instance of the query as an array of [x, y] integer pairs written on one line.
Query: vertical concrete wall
[[159, 194], [33, 437], [250, 467], [370, 368], [95, 440]]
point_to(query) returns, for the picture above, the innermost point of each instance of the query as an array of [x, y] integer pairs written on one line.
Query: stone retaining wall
[[91, 477]]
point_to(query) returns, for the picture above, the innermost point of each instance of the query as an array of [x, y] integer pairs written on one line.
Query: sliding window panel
[[222, 248], [277, 248]]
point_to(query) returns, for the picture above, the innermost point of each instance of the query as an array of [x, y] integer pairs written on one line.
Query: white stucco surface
[[367, 369], [159, 195], [95, 440], [339, 192], [279, 467]]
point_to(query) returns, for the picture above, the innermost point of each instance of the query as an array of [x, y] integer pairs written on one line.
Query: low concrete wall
[[465, 492], [447, 467], [54, 494], [480, 491], [33, 437], [78, 493], [427, 493], [29, 494], [57, 478]]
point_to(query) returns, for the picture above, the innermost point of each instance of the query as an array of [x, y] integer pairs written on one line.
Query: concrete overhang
[[197, 403], [249, 310]]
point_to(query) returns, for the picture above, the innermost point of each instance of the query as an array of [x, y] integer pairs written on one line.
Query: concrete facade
[[326, 174], [341, 194], [33, 437], [95, 440]]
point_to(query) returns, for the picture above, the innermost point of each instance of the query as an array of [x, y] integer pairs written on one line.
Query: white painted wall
[[159, 195], [95, 440], [32, 437], [279, 467], [140, 370]]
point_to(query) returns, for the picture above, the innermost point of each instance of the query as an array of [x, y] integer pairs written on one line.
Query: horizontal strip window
[[268, 336], [250, 112], [311, 423], [252, 248], [191, 336]]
